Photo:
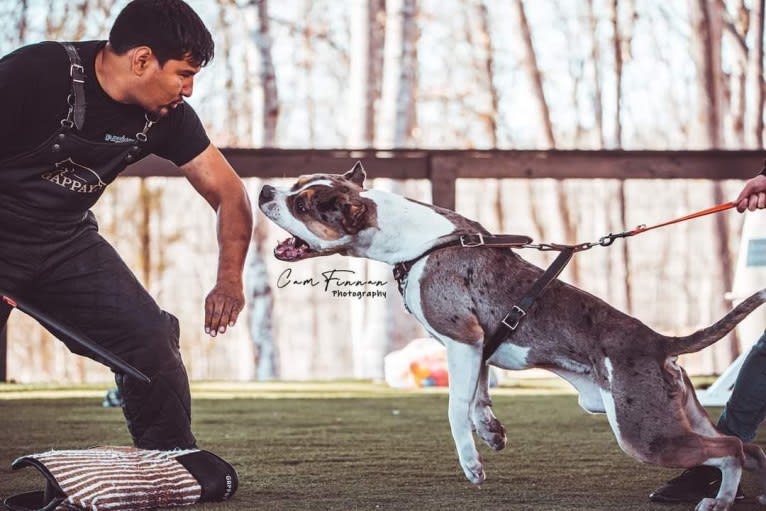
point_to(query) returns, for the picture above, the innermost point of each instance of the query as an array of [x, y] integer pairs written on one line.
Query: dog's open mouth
[[293, 249]]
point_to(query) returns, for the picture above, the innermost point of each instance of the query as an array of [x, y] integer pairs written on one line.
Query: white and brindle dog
[[618, 365]]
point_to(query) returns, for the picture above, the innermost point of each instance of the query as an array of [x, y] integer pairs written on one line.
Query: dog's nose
[[267, 194]]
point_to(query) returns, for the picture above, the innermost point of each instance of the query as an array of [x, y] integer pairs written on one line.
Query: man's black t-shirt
[[35, 83]]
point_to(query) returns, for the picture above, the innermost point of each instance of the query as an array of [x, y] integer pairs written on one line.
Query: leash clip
[[607, 240]]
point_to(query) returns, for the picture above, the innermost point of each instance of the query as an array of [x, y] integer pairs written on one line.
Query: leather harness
[[474, 240], [511, 320]]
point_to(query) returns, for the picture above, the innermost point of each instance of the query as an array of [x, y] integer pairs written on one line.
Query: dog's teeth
[[291, 249]]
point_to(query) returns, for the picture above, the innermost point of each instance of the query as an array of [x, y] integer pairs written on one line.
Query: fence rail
[[444, 167]]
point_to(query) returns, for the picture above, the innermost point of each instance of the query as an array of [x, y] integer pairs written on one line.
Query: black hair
[[169, 27]]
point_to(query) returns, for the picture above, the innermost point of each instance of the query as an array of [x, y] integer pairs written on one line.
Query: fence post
[[442, 172]]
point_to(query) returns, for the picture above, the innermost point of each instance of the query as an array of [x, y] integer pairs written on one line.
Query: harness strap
[[77, 74], [471, 240], [511, 320]]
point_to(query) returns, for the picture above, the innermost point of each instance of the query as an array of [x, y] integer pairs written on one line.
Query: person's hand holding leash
[[753, 195]]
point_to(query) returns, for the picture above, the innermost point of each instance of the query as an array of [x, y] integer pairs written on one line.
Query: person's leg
[[746, 408], [86, 285]]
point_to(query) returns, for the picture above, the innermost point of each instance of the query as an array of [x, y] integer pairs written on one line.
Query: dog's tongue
[[291, 249]]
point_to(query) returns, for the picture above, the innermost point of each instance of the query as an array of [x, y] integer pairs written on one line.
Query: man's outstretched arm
[[214, 179]]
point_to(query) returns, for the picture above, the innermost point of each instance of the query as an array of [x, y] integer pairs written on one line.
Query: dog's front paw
[[761, 499], [493, 434], [474, 471], [713, 505]]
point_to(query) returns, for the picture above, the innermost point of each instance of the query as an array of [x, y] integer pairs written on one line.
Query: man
[[74, 116], [746, 408]]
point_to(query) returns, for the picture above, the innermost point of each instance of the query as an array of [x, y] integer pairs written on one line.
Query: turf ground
[[356, 445]]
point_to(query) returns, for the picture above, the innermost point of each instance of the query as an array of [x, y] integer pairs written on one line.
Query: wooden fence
[[444, 167]]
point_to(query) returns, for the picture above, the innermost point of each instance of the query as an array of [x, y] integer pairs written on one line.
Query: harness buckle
[[521, 313], [467, 242], [77, 72]]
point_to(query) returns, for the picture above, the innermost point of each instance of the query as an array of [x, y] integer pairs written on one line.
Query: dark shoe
[[692, 485], [113, 399]]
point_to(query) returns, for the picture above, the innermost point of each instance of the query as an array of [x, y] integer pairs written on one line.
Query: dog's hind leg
[[464, 363], [486, 424], [692, 449], [731, 473]]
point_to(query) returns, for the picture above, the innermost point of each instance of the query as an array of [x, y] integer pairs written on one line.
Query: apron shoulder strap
[[77, 98]]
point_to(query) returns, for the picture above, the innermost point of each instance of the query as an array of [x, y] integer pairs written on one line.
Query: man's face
[[165, 87]]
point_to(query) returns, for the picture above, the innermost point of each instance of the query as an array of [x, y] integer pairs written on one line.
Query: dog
[[618, 365]]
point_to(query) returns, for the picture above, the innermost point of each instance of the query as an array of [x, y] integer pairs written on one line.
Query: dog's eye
[[300, 205]]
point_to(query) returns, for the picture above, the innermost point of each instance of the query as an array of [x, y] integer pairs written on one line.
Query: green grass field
[[356, 445]]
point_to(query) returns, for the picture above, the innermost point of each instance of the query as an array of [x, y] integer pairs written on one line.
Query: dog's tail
[[707, 336]]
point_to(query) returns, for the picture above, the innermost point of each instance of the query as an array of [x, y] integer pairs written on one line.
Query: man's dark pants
[[71, 274]]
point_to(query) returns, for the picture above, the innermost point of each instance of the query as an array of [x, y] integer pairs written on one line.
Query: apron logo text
[[75, 177]]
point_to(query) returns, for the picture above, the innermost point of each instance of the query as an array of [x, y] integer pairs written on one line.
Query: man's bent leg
[[89, 287], [746, 408], [159, 413]]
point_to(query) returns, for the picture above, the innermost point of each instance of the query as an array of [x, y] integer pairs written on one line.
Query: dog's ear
[[353, 216], [357, 174]]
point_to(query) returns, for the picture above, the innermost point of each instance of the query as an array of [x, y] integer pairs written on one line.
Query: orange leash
[[708, 211], [607, 240]]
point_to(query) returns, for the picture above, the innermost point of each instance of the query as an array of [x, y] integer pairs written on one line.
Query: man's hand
[[753, 195], [214, 179], [222, 307]]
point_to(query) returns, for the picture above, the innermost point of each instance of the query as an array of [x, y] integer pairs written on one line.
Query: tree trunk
[[489, 117], [754, 121], [368, 343], [736, 97], [373, 334], [399, 75], [617, 44], [595, 57], [261, 299], [22, 24], [366, 63], [261, 307], [538, 92], [263, 42], [533, 71], [706, 20]]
